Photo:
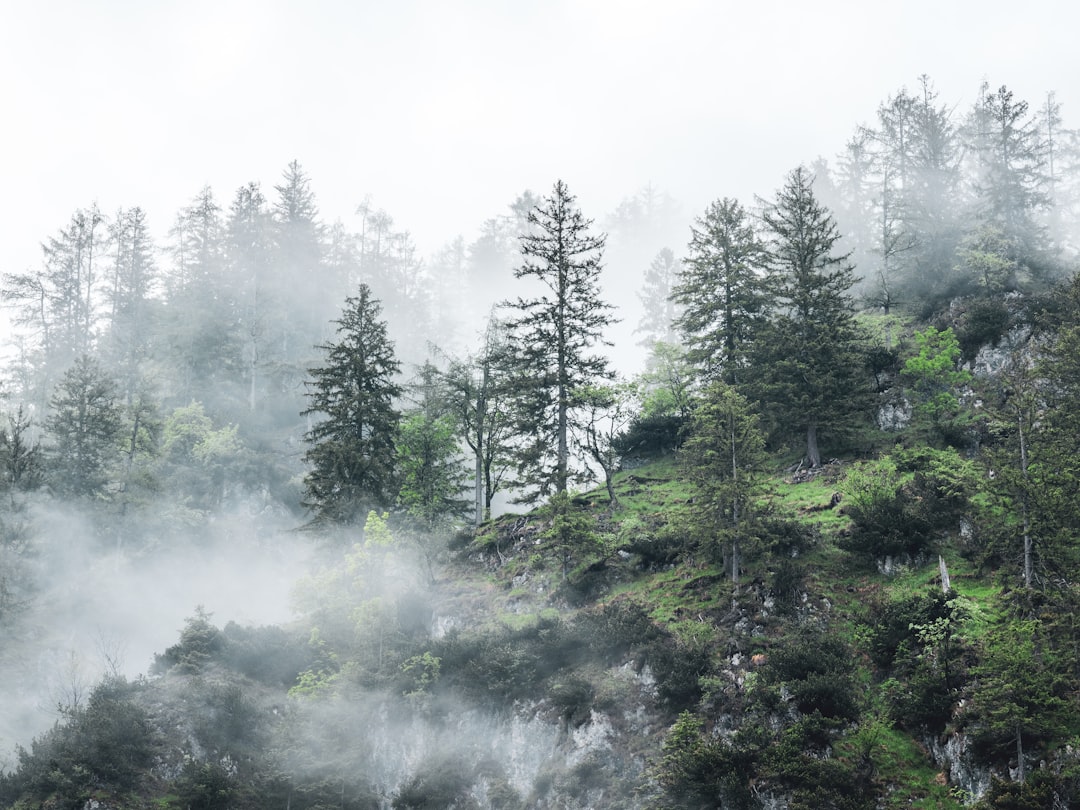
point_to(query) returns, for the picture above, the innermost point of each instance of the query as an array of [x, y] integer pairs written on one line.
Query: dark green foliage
[[897, 515], [699, 772], [887, 520], [270, 654], [552, 337], [816, 669], [985, 323], [807, 368], [204, 786], [571, 533], [794, 765], [721, 291], [723, 457], [1041, 790], [200, 643], [891, 623], [85, 424], [226, 722], [660, 545], [614, 628], [351, 450], [1021, 700], [110, 741], [507, 664], [651, 435], [679, 665]]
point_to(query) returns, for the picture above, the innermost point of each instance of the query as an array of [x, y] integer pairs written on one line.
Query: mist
[[95, 610]]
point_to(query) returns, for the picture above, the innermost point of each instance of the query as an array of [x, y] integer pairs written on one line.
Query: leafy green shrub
[[887, 521], [651, 435], [615, 628], [200, 643], [269, 655], [816, 668], [108, 742], [892, 623], [679, 665], [204, 786], [660, 546]]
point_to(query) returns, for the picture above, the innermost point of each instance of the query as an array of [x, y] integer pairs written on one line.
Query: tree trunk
[[1029, 565], [1019, 757], [812, 452]]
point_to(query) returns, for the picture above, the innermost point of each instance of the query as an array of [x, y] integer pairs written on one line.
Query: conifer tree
[[720, 289], [351, 453], [552, 337], [808, 364], [85, 423]]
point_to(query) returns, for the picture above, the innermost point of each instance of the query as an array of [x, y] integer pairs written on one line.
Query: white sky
[[444, 111]]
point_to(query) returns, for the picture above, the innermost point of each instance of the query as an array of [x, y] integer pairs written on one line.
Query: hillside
[[627, 671]]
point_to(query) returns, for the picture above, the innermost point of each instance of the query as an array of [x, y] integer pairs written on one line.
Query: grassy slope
[[690, 591]]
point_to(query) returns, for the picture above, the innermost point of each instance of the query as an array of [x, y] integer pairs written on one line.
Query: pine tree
[[808, 363], [552, 335], [720, 289], [351, 453]]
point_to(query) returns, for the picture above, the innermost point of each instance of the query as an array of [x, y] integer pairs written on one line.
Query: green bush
[[204, 786]]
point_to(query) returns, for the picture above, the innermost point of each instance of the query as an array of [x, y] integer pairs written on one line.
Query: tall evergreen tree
[[131, 287], [552, 337], [721, 289], [480, 391], [85, 423], [660, 312], [808, 364], [351, 452], [723, 458], [249, 250]]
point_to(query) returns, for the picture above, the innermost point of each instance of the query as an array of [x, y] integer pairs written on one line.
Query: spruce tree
[[552, 337], [720, 289], [809, 370], [351, 453], [85, 423]]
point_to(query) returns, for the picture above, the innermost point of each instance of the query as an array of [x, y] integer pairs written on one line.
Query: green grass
[[903, 765]]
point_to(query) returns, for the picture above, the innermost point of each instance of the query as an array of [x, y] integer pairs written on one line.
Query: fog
[[97, 611], [417, 130], [443, 113]]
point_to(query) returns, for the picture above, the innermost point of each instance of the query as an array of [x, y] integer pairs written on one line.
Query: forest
[[806, 537]]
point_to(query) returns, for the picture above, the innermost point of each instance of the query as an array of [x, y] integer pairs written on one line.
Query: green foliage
[[109, 742], [204, 786], [430, 470], [552, 337], [85, 423], [806, 367], [933, 376], [570, 531], [700, 771], [816, 669], [421, 673], [720, 289], [351, 450], [1021, 701], [200, 643], [901, 504]]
